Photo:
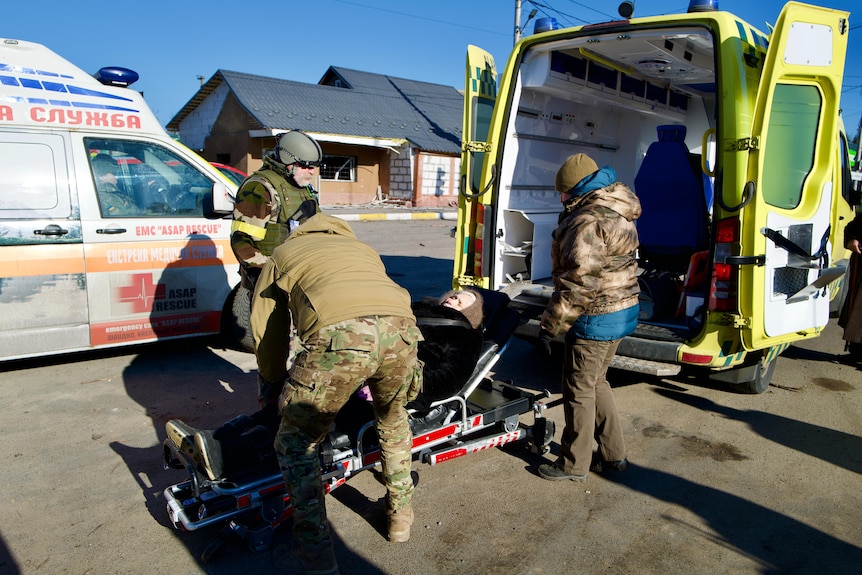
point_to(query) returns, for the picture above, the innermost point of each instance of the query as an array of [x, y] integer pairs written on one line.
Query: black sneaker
[[210, 454], [599, 466], [431, 420]]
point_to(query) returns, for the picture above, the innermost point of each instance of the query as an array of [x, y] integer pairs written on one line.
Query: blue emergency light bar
[[545, 24], [703, 5], [116, 76]]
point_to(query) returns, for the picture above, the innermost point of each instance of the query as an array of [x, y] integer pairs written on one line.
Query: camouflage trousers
[[330, 366]]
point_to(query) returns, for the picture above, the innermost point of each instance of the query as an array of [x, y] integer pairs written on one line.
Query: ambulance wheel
[[238, 326], [762, 376]]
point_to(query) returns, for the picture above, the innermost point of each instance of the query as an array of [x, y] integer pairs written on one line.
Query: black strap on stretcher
[[442, 321]]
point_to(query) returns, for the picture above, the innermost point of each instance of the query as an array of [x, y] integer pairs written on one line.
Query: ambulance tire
[[762, 377], [237, 328]]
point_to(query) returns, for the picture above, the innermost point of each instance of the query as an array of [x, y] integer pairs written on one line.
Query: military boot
[[399, 524], [305, 558], [182, 436]]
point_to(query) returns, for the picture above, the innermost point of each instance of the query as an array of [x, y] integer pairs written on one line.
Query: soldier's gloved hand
[[544, 341], [267, 392]]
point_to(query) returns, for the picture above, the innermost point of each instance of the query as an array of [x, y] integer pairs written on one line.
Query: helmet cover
[[297, 147]]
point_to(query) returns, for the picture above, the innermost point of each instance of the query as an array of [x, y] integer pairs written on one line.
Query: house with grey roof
[[383, 138]]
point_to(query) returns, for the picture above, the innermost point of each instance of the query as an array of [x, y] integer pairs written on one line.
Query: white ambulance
[[107, 231]]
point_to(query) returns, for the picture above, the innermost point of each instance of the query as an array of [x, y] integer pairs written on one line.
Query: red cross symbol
[[141, 293]]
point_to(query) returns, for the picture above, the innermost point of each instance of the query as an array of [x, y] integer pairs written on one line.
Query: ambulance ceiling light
[[116, 76]]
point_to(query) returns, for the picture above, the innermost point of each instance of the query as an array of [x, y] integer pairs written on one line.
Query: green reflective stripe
[[256, 232]]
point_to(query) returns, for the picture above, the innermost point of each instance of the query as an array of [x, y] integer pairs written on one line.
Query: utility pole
[[517, 20], [518, 27]]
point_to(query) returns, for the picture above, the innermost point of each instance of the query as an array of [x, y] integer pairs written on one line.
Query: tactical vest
[[289, 199]]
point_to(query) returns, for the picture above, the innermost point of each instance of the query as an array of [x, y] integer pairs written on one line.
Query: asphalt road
[[720, 482]]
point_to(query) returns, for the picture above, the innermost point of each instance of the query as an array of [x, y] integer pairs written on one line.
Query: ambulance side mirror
[[219, 202]]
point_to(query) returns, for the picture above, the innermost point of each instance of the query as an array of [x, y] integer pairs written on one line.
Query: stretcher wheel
[[216, 545], [510, 424]]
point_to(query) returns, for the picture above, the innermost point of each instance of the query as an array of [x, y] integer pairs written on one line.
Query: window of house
[[338, 168]]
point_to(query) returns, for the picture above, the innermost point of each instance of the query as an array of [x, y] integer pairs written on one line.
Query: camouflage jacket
[[593, 257], [264, 203], [115, 202], [322, 275]]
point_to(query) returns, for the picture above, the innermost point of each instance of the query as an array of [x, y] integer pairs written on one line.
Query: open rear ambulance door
[[782, 279], [480, 94]]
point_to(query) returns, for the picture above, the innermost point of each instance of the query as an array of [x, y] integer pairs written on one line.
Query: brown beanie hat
[[474, 312], [573, 170]]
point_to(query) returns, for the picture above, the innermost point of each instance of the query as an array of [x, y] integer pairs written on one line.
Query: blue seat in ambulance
[[675, 218]]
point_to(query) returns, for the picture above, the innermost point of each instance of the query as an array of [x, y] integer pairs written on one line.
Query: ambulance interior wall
[[551, 125]]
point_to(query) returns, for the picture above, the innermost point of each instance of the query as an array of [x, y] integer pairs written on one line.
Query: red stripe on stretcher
[[267, 490], [496, 441], [441, 433], [338, 483], [245, 500], [447, 455], [372, 457]]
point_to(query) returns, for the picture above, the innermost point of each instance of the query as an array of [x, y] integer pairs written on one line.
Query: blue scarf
[[595, 181]]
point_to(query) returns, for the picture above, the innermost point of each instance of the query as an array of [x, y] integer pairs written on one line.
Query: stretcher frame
[[486, 413]]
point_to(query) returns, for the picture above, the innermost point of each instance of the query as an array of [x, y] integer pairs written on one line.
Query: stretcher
[[486, 413]]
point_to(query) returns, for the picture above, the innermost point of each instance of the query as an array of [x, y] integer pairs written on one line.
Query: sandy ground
[[720, 482]]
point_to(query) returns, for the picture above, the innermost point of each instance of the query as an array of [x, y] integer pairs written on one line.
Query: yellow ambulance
[[108, 235], [731, 138]]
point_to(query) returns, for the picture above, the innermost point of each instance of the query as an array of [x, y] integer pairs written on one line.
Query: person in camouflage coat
[[268, 198], [354, 327], [595, 304]]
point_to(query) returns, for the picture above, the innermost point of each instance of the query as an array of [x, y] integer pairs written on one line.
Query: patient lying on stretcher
[[450, 350]]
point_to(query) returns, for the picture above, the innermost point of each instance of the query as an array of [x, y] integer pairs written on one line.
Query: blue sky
[[171, 44]]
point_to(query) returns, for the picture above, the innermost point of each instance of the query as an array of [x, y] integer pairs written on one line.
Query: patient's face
[[460, 300]]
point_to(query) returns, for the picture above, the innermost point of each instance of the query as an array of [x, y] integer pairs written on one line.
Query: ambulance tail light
[[724, 283], [696, 358]]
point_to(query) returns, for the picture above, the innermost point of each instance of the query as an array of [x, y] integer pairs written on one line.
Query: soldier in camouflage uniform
[[266, 200], [595, 304], [114, 201], [355, 327]]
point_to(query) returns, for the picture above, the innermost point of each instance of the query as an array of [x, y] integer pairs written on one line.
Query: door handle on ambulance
[[51, 230], [110, 230]]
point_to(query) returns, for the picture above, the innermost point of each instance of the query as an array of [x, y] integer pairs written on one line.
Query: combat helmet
[[297, 147]]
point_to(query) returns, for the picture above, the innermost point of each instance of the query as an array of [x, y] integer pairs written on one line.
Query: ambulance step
[[645, 366]]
